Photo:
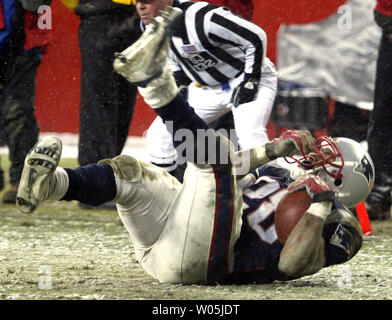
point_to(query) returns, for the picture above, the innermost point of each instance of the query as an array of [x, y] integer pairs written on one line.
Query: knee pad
[[125, 167], [343, 236]]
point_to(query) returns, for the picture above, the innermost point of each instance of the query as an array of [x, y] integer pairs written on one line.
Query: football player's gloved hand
[[317, 189], [289, 143], [245, 92]]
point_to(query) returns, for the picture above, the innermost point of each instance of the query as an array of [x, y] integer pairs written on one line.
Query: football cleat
[[37, 179], [143, 61]]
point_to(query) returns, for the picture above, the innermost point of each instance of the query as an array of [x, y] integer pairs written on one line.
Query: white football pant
[[181, 233]]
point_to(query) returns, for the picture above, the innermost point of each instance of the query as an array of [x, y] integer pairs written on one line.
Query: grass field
[[63, 252]]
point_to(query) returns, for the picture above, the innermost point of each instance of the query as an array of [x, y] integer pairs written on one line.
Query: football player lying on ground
[[201, 231]]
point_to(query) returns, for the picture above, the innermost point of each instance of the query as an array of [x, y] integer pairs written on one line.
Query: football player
[[201, 231]]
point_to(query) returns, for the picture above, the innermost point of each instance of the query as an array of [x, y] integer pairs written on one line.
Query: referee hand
[[245, 92]]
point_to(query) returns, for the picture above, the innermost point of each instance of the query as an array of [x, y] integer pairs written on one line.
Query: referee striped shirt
[[214, 45]]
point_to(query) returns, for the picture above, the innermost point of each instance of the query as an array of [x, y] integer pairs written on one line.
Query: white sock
[[161, 90], [60, 184]]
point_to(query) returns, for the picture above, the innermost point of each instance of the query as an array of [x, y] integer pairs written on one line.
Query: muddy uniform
[[258, 249]]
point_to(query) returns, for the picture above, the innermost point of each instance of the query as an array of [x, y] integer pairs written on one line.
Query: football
[[288, 212]]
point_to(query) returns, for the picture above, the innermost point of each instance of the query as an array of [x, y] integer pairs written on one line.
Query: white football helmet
[[345, 164]]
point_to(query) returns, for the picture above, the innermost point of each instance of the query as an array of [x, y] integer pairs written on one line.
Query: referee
[[220, 64]]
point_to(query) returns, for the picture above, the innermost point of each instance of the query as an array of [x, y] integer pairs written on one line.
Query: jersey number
[[202, 61], [267, 207]]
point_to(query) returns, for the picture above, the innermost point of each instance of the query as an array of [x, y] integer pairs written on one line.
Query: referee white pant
[[209, 103]]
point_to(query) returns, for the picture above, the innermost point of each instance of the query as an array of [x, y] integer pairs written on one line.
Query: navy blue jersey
[[258, 248]]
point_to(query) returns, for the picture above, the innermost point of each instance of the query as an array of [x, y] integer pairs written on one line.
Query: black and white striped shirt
[[214, 45]]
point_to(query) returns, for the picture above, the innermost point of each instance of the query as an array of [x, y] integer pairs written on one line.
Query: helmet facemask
[[343, 163], [326, 156]]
